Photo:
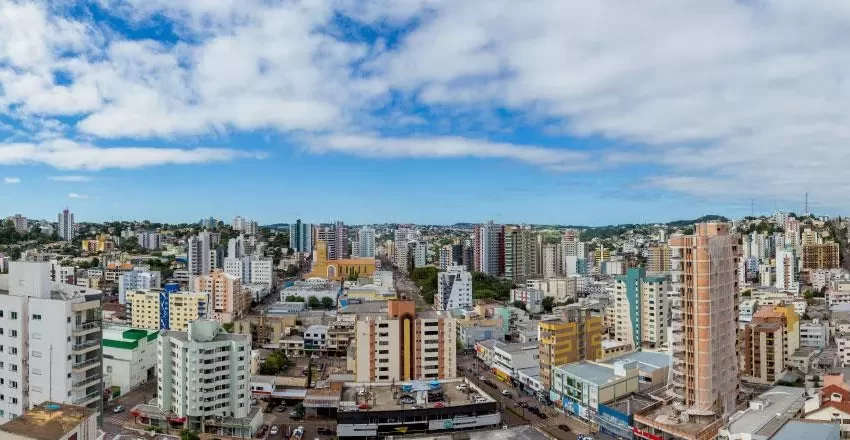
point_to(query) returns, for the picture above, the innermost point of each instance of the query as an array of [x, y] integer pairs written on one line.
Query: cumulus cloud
[[11, 180], [70, 178], [77, 196]]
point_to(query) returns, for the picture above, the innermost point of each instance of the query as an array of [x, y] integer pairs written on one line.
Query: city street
[[286, 424], [116, 422]]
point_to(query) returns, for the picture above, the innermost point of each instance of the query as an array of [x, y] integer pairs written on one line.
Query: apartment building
[[658, 259], [204, 376], [397, 344], [821, 256], [228, 299], [814, 333], [200, 254], [552, 260], [786, 270], [454, 289], [149, 240], [66, 228], [20, 222], [366, 243], [642, 312], [168, 308], [301, 236], [137, 279], [129, 356], [489, 248], [50, 341], [532, 298], [575, 335], [767, 343], [520, 254]]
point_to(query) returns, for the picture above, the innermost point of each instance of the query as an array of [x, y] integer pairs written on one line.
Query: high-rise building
[[229, 301], [401, 247], [419, 249], [821, 256], [301, 236], [574, 336], [767, 342], [454, 289], [250, 270], [520, 244], [51, 342], [236, 247], [340, 239], [552, 262], [467, 256], [704, 320], [20, 223], [244, 225], [489, 248], [66, 225], [168, 308], [403, 345], [571, 236], [786, 270], [204, 375], [201, 258], [137, 279], [445, 259], [658, 259], [149, 240], [642, 311], [366, 242]]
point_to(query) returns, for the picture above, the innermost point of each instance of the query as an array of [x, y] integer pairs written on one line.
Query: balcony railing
[[84, 345], [91, 380], [86, 363], [88, 325], [87, 397]]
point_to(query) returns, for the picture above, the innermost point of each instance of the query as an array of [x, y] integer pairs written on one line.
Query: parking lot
[[281, 418]]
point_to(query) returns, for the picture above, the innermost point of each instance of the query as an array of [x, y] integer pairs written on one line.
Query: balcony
[[86, 365], [87, 381], [86, 328], [88, 398], [85, 347]]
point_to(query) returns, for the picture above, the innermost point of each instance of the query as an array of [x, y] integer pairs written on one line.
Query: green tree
[[95, 262], [228, 327], [298, 409], [353, 276], [274, 364], [294, 299], [327, 302], [747, 292], [548, 303], [313, 302], [519, 305], [188, 434]]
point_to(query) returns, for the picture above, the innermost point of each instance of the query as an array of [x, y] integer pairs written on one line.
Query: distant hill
[[705, 218]]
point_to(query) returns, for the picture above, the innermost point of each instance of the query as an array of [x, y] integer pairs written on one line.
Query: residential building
[[842, 341], [489, 248], [129, 356], [203, 375], [746, 310], [269, 329], [401, 247], [20, 222], [301, 236], [446, 257], [703, 336], [316, 338], [50, 339], [786, 270], [552, 261], [201, 257], [340, 239], [454, 289], [339, 269], [831, 404], [402, 345], [532, 298], [166, 309], [236, 247], [53, 421], [137, 279], [228, 299], [821, 256], [658, 259], [574, 265], [66, 228], [244, 225], [520, 244], [563, 289], [251, 270], [366, 240], [420, 253], [814, 333], [149, 240], [642, 310], [575, 335], [767, 342]]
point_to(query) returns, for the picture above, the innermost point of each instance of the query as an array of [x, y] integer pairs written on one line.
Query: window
[[14, 334], [36, 317], [14, 315]]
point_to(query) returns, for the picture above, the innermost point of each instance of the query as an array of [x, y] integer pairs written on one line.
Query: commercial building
[[489, 248], [821, 256], [642, 310], [66, 228], [53, 421], [301, 236], [228, 299], [137, 279], [811, 430], [765, 415], [472, 331], [366, 240], [318, 287], [268, 329], [167, 308], [397, 344], [703, 336], [339, 269], [580, 387], [767, 342], [203, 381], [511, 358], [129, 356], [50, 339], [575, 335], [562, 289], [520, 254], [454, 289]]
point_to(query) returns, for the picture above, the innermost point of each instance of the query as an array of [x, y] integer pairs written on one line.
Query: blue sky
[[423, 111]]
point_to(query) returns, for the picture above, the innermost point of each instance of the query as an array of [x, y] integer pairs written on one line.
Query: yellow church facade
[[339, 270]]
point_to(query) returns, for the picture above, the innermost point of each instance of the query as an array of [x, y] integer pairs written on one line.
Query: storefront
[[615, 423]]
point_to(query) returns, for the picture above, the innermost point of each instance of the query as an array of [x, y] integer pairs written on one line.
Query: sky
[[423, 111]]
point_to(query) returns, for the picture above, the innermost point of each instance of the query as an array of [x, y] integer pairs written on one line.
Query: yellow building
[[155, 310], [575, 336], [339, 270], [103, 243], [767, 342]]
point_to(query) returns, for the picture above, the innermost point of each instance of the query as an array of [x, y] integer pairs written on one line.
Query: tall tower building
[[520, 246], [704, 375], [341, 241], [489, 248], [366, 239], [301, 236], [200, 257], [454, 289], [786, 270], [401, 247], [66, 225], [640, 302]]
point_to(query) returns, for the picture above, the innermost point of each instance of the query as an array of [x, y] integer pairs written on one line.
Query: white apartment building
[[137, 279], [746, 309], [552, 262], [20, 222], [562, 288], [236, 247], [842, 340], [814, 333], [572, 265], [366, 243], [50, 341], [532, 298], [401, 247], [642, 309], [786, 270], [129, 356], [200, 254], [420, 253], [204, 373], [454, 289], [149, 240], [66, 229]]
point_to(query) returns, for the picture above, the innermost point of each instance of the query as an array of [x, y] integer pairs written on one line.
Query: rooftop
[[808, 429], [384, 396], [48, 421], [599, 374], [647, 360], [516, 347], [767, 412]]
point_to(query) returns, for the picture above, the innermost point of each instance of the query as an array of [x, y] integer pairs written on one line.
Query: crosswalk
[[119, 420]]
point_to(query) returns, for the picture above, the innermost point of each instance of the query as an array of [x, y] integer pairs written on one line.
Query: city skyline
[[166, 103]]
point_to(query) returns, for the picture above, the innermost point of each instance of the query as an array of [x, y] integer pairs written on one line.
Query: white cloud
[[77, 196], [70, 178], [11, 180]]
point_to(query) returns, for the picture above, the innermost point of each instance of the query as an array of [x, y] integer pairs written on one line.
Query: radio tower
[[806, 210]]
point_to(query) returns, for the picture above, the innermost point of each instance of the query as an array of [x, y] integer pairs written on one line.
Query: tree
[[519, 305], [548, 303], [747, 292], [188, 434], [228, 327], [294, 299], [95, 262], [313, 302], [274, 364], [353, 276], [298, 409], [327, 302]]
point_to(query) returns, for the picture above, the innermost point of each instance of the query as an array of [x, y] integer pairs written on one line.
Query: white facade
[[66, 225], [262, 271], [420, 253], [50, 341], [454, 289], [137, 279], [510, 358], [238, 267], [204, 372], [129, 356], [814, 333], [786, 270], [316, 337], [149, 240], [560, 288], [552, 263], [842, 340], [236, 247], [532, 298], [199, 255], [366, 242], [401, 247]]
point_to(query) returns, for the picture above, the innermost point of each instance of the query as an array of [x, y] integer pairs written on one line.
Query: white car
[[462, 386]]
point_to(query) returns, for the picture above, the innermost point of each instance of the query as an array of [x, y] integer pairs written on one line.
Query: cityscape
[[424, 219]]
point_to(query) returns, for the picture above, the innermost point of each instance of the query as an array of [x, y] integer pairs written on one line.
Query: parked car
[[584, 437], [482, 378], [295, 416], [506, 393], [533, 409], [462, 386], [563, 427], [522, 404], [407, 400], [262, 431], [118, 409]]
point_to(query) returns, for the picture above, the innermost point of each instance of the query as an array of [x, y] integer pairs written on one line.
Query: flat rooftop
[[808, 429], [598, 374], [48, 421], [648, 361], [380, 396], [768, 412]]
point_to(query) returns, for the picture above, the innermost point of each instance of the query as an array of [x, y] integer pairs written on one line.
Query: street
[[116, 422], [285, 425]]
